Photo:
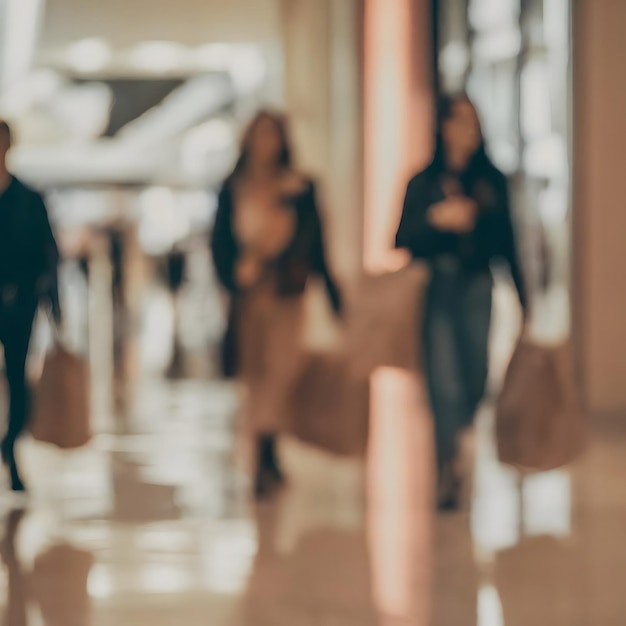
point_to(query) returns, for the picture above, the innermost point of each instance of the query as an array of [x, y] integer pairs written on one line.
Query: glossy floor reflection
[[153, 525]]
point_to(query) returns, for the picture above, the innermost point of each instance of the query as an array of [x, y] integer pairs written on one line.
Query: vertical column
[[101, 334], [19, 23], [599, 191], [133, 277], [321, 44], [398, 129], [307, 86], [345, 193], [398, 111]]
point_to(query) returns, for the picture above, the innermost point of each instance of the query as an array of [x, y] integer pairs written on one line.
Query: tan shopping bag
[[385, 321], [62, 407], [331, 409], [540, 425], [322, 332]]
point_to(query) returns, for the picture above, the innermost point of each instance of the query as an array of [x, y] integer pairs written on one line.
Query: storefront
[[513, 57]]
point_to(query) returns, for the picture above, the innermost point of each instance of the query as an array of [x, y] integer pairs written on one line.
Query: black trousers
[[16, 325]]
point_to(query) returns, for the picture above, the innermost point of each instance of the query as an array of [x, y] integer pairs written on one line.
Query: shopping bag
[[322, 331], [385, 321], [330, 410], [540, 425], [62, 408]]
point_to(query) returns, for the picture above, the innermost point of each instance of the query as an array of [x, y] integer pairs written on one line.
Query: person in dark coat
[[29, 260], [457, 218], [267, 240]]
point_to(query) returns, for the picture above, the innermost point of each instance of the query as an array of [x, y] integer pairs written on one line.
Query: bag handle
[[54, 322]]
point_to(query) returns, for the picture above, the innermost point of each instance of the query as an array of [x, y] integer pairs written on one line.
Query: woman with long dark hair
[[267, 240], [457, 217]]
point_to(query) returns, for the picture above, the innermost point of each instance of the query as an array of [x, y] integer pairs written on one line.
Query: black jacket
[[29, 256], [492, 238], [304, 256]]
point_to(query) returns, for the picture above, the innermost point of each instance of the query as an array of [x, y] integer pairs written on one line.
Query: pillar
[[322, 60], [398, 113], [398, 130], [599, 192]]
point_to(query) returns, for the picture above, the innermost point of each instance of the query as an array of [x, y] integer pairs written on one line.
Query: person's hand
[[455, 215], [278, 231], [248, 270]]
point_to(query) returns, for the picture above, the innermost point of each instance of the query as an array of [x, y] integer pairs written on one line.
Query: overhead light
[[39, 86], [158, 56], [214, 136], [213, 56], [247, 68], [245, 63], [89, 55]]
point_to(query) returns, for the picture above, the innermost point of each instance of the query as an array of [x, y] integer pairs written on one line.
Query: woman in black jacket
[[457, 218], [267, 240]]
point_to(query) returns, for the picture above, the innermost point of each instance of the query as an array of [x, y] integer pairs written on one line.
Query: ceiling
[[123, 90], [192, 22]]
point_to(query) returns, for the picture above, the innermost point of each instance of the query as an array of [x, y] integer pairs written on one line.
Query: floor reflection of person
[[17, 594], [266, 241], [29, 260], [176, 275], [457, 217], [57, 583]]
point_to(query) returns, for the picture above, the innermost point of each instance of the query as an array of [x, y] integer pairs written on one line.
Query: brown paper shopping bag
[[385, 321], [540, 425], [62, 409]]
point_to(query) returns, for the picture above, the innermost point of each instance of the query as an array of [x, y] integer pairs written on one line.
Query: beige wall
[[192, 22], [600, 199], [322, 51]]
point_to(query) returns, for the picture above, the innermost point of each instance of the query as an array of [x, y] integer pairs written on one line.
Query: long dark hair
[[480, 164], [284, 158]]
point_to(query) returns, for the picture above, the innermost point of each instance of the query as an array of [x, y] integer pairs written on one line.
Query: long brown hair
[[284, 158]]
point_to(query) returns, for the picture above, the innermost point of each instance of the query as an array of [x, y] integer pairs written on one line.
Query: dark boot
[[448, 489], [8, 458], [269, 475]]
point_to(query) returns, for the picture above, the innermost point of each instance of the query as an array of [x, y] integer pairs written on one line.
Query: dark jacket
[[304, 256], [492, 238], [29, 256]]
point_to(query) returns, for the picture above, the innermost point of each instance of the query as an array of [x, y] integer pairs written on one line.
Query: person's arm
[[223, 243], [416, 233], [319, 261], [48, 282], [507, 242]]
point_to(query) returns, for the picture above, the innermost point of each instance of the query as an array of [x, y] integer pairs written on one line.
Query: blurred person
[[457, 218], [266, 241], [176, 276], [29, 260]]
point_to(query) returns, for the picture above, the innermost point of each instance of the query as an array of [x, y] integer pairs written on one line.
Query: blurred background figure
[[176, 275], [266, 241], [457, 217], [28, 275]]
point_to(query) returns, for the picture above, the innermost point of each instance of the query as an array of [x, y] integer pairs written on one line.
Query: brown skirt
[[271, 356]]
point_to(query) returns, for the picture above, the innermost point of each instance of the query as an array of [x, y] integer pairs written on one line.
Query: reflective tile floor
[[153, 526]]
